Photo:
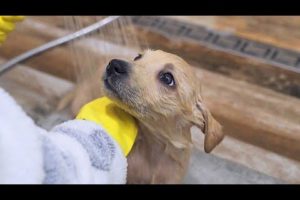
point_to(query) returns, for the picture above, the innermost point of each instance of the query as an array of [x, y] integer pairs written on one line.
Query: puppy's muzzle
[[117, 68]]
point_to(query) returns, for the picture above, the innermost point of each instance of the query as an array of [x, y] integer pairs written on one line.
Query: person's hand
[[7, 24]]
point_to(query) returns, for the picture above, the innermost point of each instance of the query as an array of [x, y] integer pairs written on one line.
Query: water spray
[[62, 40]]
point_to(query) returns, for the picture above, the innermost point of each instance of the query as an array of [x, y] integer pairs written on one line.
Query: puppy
[[162, 92]]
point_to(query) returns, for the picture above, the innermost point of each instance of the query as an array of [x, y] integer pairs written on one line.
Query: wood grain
[[238, 67], [281, 31], [253, 114], [258, 116], [61, 61]]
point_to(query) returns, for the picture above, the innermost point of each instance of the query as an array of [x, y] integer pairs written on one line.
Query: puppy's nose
[[117, 67]]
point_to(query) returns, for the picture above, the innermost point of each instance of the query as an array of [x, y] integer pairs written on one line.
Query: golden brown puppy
[[162, 92]]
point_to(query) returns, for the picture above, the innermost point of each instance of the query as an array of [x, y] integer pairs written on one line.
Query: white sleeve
[[21, 158], [101, 161], [76, 151]]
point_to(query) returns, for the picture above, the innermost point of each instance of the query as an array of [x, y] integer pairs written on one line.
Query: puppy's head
[[161, 89]]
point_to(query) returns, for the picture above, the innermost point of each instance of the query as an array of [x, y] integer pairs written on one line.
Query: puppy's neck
[[175, 135]]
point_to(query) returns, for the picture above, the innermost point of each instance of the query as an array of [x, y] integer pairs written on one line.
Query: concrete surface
[[210, 169]]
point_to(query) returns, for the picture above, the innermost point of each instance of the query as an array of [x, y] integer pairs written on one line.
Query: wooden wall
[[260, 114]]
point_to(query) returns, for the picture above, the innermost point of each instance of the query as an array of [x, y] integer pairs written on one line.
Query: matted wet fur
[[165, 112]]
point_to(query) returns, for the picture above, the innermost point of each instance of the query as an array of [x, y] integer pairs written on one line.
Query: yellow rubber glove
[[7, 24], [120, 125]]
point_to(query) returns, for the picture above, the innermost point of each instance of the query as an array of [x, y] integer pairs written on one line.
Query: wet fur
[[164, 115]]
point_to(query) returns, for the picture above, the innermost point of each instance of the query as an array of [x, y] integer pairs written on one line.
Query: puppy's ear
[[203, 119]]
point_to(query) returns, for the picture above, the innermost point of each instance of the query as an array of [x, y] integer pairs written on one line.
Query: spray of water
[[117, 40], [91, 53]]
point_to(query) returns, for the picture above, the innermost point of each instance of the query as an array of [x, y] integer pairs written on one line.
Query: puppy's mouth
[[114, 88], [119, 88], [109, 86], [118, 91]]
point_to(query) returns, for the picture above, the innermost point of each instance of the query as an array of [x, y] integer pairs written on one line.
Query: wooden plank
[[64, 22], [253, 157], [257, 115], [238, 67], [57, 61], [60, 60], [46, 28], [260, 159], [37, 92], [282, 31]]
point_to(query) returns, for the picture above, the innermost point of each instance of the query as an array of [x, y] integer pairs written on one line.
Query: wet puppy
[[163, 93]]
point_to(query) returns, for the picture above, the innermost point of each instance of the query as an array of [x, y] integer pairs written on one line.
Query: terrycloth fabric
[[76, 151], [120, 125]]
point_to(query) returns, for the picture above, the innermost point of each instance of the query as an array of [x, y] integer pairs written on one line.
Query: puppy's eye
[[167, 78], [138, 57]]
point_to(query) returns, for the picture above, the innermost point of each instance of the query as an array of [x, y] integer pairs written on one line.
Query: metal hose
[[11, 63]]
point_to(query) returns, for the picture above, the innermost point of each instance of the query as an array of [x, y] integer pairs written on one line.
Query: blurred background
[[249, 66]]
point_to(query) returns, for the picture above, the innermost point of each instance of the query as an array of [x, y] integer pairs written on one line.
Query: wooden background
[[260, 114]]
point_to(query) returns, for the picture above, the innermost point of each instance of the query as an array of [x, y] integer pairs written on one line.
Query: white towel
[[74, 152]]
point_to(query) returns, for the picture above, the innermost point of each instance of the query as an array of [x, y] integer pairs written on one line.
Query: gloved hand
[[74, 152], [7, 24], [120, 125]]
